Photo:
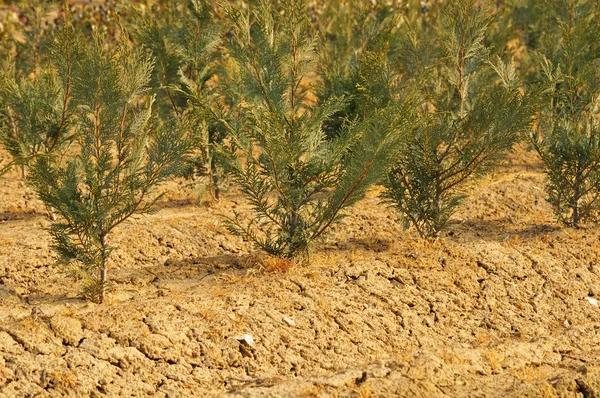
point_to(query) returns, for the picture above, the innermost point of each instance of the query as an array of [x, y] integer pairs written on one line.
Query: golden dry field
[[276, 117], [500, 305]]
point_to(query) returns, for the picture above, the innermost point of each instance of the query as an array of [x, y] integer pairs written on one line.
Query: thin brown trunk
[[104, 270], [438, 197], [576, 197], [215, 183], [52, 214], [293, 226]]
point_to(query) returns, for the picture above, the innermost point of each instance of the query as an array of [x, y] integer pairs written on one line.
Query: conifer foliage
[[297, 181], [303, 107], [35, 98], [353, 41], [472, 113], [184, 39], [567, 136], [118, 158]]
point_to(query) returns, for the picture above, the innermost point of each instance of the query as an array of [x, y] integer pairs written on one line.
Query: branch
[[356, 185], [66, 97]]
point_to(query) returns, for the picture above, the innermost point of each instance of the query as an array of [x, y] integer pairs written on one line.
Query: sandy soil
[[496, 307]]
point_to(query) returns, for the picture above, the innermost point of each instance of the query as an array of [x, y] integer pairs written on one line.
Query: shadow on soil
[[496, 230], [221, 262], [193, 268], [175, 203], [19, 216]]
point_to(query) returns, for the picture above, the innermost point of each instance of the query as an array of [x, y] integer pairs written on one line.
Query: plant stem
[[104, 268], [576, 197]]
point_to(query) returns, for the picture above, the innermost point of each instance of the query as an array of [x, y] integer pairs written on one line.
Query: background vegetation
[[303, 105]]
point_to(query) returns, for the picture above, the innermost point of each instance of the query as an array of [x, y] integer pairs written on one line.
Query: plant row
[[302, 106]]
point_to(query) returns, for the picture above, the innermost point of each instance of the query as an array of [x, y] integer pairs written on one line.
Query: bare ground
[[498, 306]]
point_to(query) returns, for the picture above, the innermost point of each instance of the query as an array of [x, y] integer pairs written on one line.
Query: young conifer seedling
[[35, 96], [567, 135], [117, 160], [297, 181], [472, 114], [185, 40], [349, 33]]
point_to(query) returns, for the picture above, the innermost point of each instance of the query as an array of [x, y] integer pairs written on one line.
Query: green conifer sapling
[[472, 114], [567, 135], [185, 40], [297, 181], [118, 159]]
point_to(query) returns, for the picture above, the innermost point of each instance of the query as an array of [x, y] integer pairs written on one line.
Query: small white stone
[[289, 321], [245, 338], [592, 301]]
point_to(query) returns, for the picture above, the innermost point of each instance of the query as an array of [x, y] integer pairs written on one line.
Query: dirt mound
[[502, 305]]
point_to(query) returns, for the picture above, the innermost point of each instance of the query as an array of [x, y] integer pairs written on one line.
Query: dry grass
[[279, 265]]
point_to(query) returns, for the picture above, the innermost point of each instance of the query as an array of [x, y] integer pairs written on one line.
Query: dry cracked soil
[[501, 305]]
